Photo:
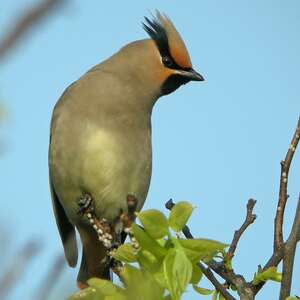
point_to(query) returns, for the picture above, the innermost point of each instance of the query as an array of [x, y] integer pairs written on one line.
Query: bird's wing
[[66, 229]]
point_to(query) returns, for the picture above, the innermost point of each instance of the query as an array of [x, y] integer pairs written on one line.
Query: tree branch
[[289, 256], [279, 251], [18, 267], [219, 287], [51, 278], [282, 251], [25, 23], [283, 196], [250, 218]]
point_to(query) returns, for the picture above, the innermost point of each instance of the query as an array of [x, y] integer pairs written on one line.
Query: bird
[[100, 137]]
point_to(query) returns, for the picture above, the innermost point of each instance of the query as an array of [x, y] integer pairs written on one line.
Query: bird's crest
[[167, 39]]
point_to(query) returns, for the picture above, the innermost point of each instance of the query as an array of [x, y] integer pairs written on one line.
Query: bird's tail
[[93, 262]]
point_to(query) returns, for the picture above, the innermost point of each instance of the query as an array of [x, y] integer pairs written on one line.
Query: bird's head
[[172, 60], [157, 66]]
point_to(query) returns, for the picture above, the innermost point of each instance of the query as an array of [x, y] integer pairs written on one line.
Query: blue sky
[[215, 143]]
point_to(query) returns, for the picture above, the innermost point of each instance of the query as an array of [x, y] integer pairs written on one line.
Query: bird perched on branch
[[100, 140]]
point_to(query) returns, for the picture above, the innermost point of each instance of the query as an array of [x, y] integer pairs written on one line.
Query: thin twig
[[219, 287], [51, 278], [18, 267], [25, 23], [250, 218], [279, 251], [289, 256], [283, 196]]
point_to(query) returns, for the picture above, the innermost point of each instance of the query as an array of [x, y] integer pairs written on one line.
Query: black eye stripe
[[159, 35]]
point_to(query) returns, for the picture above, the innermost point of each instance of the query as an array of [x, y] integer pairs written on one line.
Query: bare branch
[[18, 267], [289, 256], [283, 196], [250, 218], [218, 286], [25, 23], [51, 278], [279, 251], [282, 251]]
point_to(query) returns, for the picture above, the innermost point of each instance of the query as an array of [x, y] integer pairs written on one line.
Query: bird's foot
[[101, 226], [128, 218], [117, 267], [85, 203]]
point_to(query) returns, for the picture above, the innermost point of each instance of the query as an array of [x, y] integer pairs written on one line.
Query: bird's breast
[[114, 164]]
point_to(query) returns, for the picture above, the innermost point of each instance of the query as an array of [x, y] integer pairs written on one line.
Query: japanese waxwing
[[100, 140]]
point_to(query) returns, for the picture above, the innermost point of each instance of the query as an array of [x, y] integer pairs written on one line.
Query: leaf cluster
[[162, 266]]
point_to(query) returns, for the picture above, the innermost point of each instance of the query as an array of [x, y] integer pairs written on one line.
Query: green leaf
[[201, 249], [179, 215], [148, 261], [86, 294], [125, 253], [130, 274], [197, 274], [214, 295], [160, 278], [178, 272], [221, 297], [105, 287], [269, 274], [202, 291], [117, 296], [141, 284], [155, 223], [291, 298], [147, 242]]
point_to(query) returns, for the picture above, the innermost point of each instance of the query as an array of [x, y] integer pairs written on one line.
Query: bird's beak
[[191, 74]]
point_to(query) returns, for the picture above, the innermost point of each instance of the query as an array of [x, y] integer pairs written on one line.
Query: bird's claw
[[102, 228], [128, 218], [85, 204]]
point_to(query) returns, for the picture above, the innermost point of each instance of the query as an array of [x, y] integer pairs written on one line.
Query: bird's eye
[[167, 61]]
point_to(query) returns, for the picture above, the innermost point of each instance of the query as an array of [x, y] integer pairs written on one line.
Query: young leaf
[[178, 272], [147, 242], [160, 278], [125, 253], [141, 284], [197, 274], [221, 297], [105, 287], [201, 249], [117, 296], [148, 261], [269, 274], [214, 295], [85, 294], [179, 215], [202, 291], [155, 223]]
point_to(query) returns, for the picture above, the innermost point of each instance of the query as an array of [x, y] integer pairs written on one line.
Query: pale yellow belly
[[108, 166]]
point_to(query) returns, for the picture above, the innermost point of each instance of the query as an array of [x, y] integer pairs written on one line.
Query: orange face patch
[[164, 74], [177, 47]]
